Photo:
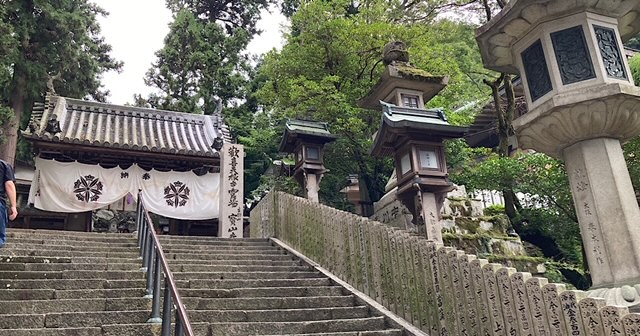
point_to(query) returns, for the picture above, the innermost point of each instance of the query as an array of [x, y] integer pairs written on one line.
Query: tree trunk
[[510, 203], [10, 130], [368, 192]]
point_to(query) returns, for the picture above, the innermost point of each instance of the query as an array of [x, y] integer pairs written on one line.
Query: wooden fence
[[439, 289]]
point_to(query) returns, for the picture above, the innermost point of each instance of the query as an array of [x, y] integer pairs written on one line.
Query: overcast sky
[[136, 30]]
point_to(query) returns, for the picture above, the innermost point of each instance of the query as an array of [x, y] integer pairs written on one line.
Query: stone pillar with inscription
[[231, 191], [428, 207], [582, 104]]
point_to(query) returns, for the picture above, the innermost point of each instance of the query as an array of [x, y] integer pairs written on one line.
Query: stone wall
[[439, 289]]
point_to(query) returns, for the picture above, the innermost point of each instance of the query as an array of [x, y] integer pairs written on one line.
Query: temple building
[[91, 156]]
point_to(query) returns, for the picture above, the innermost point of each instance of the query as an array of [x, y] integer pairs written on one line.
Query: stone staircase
[[249, 287], [56, 283]]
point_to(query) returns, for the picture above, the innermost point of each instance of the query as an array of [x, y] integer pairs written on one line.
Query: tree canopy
[[332, 58], [203, 64], [48, 43]]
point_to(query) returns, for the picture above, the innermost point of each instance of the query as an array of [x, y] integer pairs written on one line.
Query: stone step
[[232, 268], [69, 235], [101, 293], [96, 331], [22, 321], [306, 327], [95, 319], [278, 315], [247, 262], [75, 242], [72, 319], [213, 247], [110, 275], [57, 283], [62, 284], [146, 329], [230, 256], [69, 254], [268, 303], [64, 233], [387, 332], [238, 275], [263, 292], [50, 294], [61, 247], [73, 305], [70, 266], [7, 258], [224, 251], [213, 240], [252, 283], [98, 260]]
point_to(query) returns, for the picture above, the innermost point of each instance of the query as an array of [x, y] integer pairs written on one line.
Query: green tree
[[56, 42], [203, 64], [634, 64], [332, 58], [8, 47], [203, 67], [546, 218]]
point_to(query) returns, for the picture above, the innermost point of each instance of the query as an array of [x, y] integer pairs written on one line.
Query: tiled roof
[[313, 131], [398, 121], [125, 127], [308, 127]]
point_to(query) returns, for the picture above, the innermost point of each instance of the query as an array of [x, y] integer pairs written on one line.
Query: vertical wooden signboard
[[231, 191]]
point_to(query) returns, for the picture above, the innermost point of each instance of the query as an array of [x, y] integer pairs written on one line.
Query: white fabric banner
[[75, 187]]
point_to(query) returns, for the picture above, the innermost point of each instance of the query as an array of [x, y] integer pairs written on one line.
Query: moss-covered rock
[[533, 265], [468, 224]]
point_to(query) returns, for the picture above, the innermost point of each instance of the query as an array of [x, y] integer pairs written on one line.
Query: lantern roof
[[404, 123], [519, 17], [403, 75], [304, 131]]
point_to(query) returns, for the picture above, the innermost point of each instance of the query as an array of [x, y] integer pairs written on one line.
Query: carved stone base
[[582, 114]]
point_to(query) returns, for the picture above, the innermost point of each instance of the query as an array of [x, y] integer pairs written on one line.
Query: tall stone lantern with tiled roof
[[305, 140], [582, 105], [413, 136]]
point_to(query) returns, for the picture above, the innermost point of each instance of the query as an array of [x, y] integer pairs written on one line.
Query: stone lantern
[[582, 105], [414, 137], [306, 140]]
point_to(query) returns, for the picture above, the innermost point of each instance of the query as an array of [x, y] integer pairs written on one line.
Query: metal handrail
[[152, 256]]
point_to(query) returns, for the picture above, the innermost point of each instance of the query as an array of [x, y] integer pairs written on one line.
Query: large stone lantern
[[414, 137], [306, 140], [582, 105]]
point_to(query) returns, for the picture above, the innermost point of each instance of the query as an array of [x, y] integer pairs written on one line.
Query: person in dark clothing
[[7, 188]]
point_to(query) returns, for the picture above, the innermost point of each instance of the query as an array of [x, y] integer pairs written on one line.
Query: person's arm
[[10, 187]]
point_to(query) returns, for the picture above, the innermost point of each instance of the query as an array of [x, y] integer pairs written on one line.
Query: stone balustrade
[[439, 289]]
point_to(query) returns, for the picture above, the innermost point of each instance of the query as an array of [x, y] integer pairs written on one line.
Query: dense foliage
[[202, 65], [47, 43], [332, 58]]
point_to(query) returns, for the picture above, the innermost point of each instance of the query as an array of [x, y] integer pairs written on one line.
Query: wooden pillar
[[231, 191]]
